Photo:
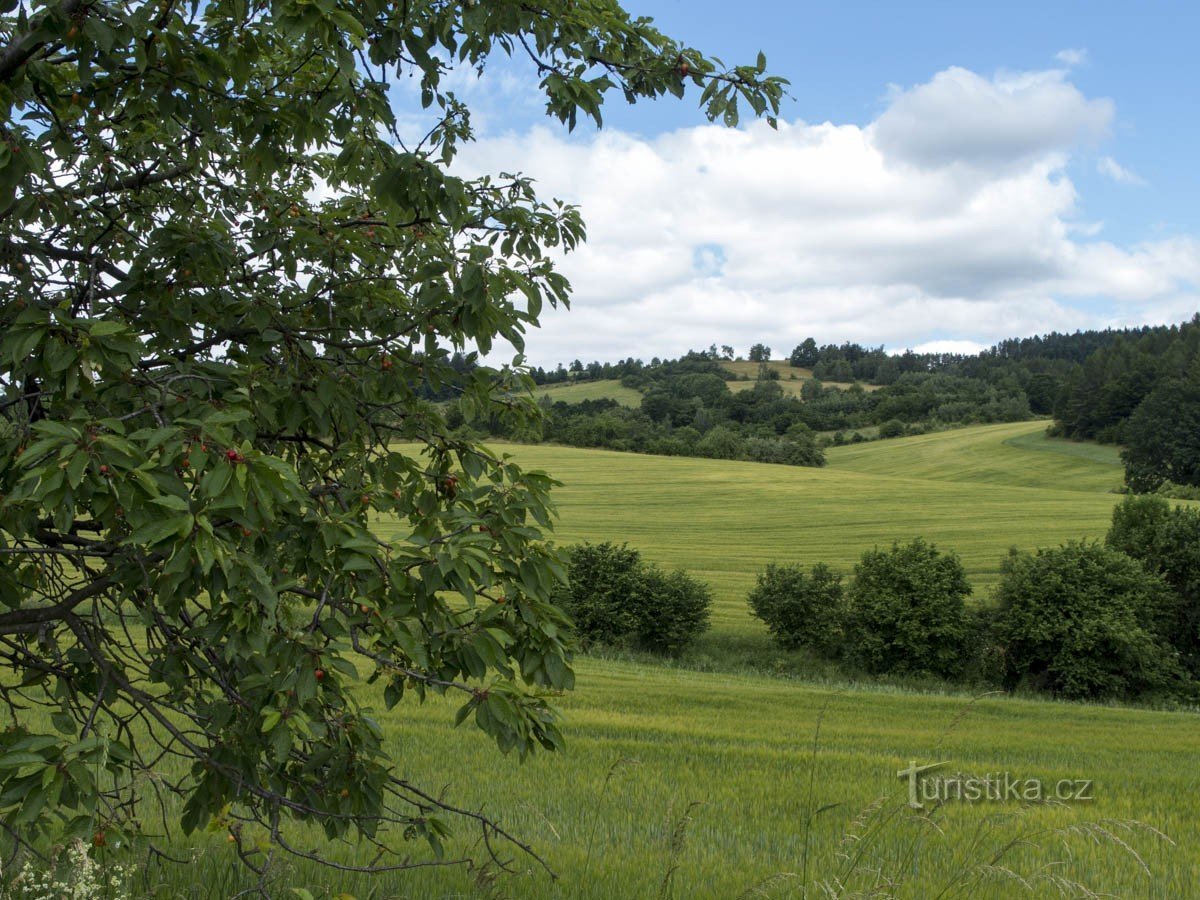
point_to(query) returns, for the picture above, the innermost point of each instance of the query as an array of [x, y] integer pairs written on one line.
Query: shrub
[[892, 428], [603, 591], [1083, 621], [906, 613], [674, 610], [617, 599], [1166, 541], [801, 610]]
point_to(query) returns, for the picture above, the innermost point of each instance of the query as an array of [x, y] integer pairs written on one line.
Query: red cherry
[[98, 839], [319, 674]]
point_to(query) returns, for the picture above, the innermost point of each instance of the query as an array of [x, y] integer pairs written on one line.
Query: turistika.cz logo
[[995, 787]]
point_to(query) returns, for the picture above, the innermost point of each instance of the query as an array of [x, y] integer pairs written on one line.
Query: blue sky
[[841, 57], [947, 175]]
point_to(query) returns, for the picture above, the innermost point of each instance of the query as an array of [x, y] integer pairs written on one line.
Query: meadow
[[968, 490], [613, 814], [604, 389], [681, 783]]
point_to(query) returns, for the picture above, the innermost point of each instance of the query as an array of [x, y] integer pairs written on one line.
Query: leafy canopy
[[233, 273]]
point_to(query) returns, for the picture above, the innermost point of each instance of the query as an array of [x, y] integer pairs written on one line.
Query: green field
[[969, 490], [742, 746], [607, 389]]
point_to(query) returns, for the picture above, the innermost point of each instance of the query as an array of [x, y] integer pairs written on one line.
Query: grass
[[607, 389], [742, 748], [1011, 455]]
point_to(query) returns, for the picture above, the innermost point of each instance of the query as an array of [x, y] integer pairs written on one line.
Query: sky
[[944, 176]]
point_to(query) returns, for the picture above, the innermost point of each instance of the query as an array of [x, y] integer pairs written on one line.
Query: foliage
[[233, 279], [1162, 437], [603, 592], [1099, 395], [1084, 621], [617, 599], [906, 612], [676, 610], [759, 353], [801, 610], [1166, 541]]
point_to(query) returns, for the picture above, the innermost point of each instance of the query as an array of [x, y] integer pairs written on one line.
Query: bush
[[603, 591], [1166, 541], [675, 610], [617, 599], [801, 610], [906, 613], [892, 428], [1084, 621]]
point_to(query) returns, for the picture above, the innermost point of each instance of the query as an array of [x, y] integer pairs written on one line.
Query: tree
[[1083, 621], [760, 353], [801, 610], [233, 278], [806, 354], [1166, 541], [1163, 436], [906, 612], [615, 598]]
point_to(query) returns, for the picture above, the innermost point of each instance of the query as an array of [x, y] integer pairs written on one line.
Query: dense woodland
[[1139, 387]]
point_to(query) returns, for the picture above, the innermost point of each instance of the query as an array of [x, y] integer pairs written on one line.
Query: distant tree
[[760, 353], [801, 610], [1084, 621], [1162, 436], [805, 355], [726, 351], [906, 612], [720, 443], [892, 428]]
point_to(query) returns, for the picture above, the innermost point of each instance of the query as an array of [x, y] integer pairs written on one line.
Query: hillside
[[604, 389], [977, 491], [1015, 455]]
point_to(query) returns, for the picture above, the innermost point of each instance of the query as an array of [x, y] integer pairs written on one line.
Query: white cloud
[[950, 218], [1110, 168], [961, 118], [1072, 56]]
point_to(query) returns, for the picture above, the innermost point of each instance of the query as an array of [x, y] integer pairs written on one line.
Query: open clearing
[[607, 389]]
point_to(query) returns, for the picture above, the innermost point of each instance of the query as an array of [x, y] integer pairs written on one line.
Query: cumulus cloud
[[961, 118], [1110, 168], [950, 218]]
